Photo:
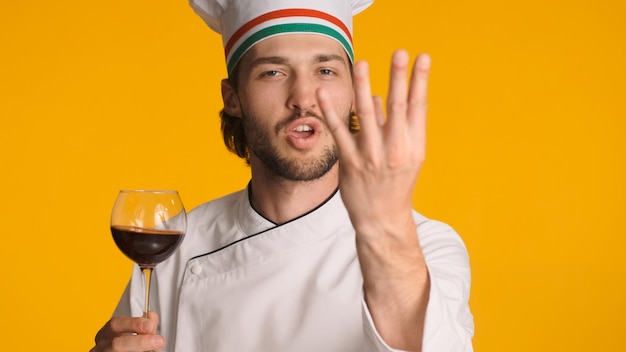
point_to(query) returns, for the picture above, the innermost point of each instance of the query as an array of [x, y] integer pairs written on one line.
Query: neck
[[281, 200]]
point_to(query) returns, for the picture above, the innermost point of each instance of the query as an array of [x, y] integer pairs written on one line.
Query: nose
[[302, 93]]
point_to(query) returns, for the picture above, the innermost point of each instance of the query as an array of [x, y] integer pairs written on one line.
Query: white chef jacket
[[241, 283]]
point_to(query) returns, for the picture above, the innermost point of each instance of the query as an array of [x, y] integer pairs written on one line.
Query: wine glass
[[148, 226]]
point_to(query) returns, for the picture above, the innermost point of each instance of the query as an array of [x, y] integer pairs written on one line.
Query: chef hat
[[243, 23]]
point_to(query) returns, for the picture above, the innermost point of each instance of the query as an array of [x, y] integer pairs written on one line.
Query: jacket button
[[196, 269]]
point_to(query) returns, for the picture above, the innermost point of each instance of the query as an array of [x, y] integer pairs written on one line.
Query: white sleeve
[[373, 341], [449, 325], [131, 303], [123, 305]]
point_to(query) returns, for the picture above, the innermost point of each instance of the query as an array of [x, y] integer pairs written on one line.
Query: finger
[[378, 110], [397, 98], [125, 325], [337, 125], [154, 317], [128, 343], [418, 98], [364, 104]]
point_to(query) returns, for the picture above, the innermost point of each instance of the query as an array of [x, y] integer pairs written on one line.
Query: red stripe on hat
[[284, 13]]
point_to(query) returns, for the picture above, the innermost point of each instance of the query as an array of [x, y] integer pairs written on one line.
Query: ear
[[231, 102], [353, 104]]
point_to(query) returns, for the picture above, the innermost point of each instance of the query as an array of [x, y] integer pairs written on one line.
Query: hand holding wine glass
[[148, 226]]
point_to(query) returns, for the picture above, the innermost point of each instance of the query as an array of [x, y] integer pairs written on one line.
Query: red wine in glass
[[148, 226], [146, 247]]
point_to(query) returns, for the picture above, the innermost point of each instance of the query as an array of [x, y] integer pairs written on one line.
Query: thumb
[[151, 326]]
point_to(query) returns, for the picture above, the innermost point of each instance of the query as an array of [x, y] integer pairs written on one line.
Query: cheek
[[345, 102], [345, 97], [260, 102]]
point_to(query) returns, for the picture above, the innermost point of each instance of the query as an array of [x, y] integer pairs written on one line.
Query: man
[[322, 251]]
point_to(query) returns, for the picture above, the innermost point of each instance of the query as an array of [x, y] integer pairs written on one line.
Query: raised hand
[[379, 165], [378, 168]]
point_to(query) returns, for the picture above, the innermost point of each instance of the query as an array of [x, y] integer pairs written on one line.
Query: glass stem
[[147, 275]]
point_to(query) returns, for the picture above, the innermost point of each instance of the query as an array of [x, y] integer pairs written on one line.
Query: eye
[[326, 71], [271, 73]]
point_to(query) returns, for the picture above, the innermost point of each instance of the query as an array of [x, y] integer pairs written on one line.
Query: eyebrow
[[280, 60], [330, 57], [277, 60]]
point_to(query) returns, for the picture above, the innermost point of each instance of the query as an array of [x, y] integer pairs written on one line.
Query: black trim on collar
[[264, 231]]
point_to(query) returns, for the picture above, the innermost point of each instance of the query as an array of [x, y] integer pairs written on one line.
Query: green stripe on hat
[[284, 29]]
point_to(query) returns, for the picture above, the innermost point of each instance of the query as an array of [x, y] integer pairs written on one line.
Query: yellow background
[[526, 154]]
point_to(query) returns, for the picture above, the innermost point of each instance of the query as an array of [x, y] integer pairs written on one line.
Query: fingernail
[[146, 325], [401, 57], [158, 341], [424, 61]]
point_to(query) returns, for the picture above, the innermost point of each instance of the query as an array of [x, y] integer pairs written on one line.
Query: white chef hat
[[243, 23]]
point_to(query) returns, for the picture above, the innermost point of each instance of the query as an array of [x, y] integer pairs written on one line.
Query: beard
[[293, 169]]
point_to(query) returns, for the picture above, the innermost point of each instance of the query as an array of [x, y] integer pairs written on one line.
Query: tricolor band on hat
[[243, 23]]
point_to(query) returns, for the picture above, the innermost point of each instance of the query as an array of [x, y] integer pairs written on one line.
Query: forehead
[[296, 47]]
